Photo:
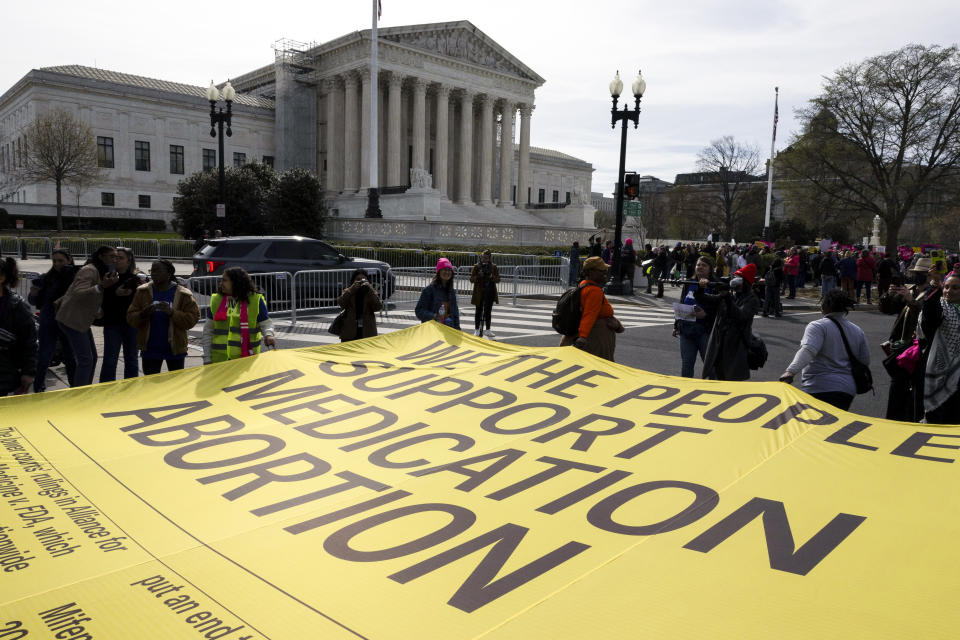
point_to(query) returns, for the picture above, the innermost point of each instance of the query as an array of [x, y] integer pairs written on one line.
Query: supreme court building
[[454, 157]]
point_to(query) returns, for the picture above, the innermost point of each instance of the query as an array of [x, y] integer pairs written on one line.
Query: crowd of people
[[146, 317]]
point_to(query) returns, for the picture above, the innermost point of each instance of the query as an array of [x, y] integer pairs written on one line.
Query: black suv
[[287, 254]]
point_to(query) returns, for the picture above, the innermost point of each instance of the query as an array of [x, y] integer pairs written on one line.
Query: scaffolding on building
[[297, 58]]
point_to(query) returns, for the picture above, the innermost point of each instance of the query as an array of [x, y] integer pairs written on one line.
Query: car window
[[233, 249], [285, 249], [321, 251]]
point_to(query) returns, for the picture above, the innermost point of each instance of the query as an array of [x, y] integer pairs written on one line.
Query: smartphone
[[112, 268]]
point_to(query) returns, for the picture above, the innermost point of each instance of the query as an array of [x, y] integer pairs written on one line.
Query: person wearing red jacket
[[791, 268], [598, 325], [866, 271]]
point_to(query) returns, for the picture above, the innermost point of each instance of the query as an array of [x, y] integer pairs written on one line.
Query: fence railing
[[143, 248]]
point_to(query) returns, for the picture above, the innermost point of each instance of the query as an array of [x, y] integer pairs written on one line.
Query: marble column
[[523, 170], [365, 96], [351, 128], [506, 152], [465, 155], [393, 131], [486, 151], [334, 131], [419, 123], [441, 155]]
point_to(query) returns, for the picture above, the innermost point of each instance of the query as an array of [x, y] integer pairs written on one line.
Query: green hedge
[[8, 222]]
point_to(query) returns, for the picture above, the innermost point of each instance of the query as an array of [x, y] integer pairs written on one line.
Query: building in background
[[455, 114]]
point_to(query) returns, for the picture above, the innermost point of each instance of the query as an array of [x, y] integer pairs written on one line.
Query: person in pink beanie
[[438, 300]]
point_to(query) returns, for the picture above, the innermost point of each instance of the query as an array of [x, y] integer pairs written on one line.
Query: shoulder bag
[[862, 378]]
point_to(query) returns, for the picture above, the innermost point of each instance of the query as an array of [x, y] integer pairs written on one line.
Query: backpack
[[756, 352], [566, 315]]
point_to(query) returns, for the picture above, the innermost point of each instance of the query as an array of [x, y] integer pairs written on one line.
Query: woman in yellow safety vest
[[239, 319]]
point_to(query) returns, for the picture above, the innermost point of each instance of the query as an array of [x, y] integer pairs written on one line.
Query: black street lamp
[[615, 285], [217, 119]]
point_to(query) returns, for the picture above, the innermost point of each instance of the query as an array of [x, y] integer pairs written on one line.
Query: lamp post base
[[373, 204]]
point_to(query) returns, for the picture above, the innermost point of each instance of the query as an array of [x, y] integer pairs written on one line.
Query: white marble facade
[[455, 115]]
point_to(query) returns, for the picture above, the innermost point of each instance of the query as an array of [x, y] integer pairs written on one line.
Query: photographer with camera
[[726, 357], [485, 276], [360, 303]]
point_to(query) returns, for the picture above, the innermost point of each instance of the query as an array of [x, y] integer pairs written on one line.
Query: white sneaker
[[478, 333], [489, 334]]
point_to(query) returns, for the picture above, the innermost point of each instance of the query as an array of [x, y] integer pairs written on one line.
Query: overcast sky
[[710, 67]]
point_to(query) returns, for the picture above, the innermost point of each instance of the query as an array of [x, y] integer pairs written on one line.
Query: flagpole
[[373, 198], [773, 142]]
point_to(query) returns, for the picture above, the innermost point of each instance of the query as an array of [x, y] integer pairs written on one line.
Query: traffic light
[[631, 186]]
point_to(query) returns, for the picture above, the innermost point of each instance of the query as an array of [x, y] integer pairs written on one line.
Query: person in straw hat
[[598, 325], [905, 299]]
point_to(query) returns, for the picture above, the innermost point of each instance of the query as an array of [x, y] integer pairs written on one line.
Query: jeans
[[84, 354], [693, 340], [484, 311], [115, 337], [792, 283], [49, 335], [153, 365], [838, 399], [827, 284], [860, 285]]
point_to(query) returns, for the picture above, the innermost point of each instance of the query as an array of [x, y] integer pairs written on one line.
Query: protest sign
[[429, 484]]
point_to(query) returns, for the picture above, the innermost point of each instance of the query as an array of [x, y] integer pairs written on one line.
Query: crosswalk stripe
[[508, 322]]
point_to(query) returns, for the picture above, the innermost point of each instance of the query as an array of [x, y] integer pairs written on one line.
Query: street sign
[[19, 224], [632, 209], [221, 211]]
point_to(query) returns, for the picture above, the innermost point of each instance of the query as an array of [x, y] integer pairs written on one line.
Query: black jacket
[[18, 342], [52, 285]]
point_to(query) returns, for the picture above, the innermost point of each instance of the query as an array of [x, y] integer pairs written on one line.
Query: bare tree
[[731, 166], [883, 132], [60, 149]]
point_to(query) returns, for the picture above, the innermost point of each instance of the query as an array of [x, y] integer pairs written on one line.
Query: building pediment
[[460, 41]]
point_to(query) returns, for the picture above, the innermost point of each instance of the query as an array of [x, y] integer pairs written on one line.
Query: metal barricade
[[319, 290], [93, 243], [76, 246], [143, 247], [10, 246], [401, 258], [175, 249], [537, 281], [36, 247], [277, 288]]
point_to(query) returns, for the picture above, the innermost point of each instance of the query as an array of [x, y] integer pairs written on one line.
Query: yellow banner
[[428, 484]]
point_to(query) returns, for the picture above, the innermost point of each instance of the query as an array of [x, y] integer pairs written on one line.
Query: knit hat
[[443, 263], [748, 273], [628, 241], [595, 263]]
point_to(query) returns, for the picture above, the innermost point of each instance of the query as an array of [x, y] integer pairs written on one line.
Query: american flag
[[776, 111]]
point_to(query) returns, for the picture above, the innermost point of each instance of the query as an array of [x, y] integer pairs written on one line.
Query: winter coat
[[51, 286], [371, 305], [80, 305], [847, 268], [791, 266], [18, 341], [114, 305], [726, 357], [866, 269], [186, 314], [432, 298], [476, 277]]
